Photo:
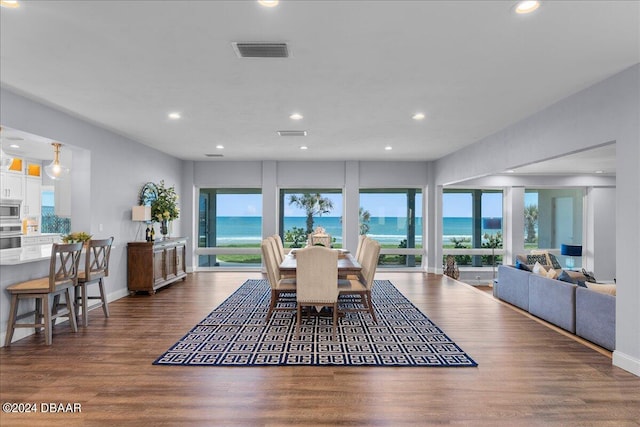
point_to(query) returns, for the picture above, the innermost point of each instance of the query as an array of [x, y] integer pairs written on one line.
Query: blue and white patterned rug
[[236, 334]]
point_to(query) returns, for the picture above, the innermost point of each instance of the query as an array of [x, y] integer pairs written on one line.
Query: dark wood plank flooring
[[528, 374]]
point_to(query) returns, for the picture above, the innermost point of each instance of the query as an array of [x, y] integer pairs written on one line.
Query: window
[[393, 217], [472, 219], [51, 223], [230, 219], [553, 217], [302, 211]]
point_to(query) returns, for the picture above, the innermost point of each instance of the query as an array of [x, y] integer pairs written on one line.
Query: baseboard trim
[[21, 333], [626, 362]]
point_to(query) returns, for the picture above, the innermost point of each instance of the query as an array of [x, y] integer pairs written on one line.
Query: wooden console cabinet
[[152, 265]]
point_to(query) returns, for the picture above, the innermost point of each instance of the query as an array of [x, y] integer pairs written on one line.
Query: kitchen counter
[[25, 254]]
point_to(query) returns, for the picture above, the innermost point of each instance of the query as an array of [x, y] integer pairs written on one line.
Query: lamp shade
[[141, 213], [571, 250]]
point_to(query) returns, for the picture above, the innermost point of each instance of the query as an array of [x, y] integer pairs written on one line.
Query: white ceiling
[[358, 70]]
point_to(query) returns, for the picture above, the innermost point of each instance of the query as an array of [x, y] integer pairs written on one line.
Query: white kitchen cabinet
[[32, 206], [11, 185]]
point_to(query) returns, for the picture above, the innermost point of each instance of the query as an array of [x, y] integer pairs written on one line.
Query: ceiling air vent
[[261, 50], [292, 132], [213, 155]]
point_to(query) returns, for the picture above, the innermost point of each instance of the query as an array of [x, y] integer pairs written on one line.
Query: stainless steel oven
[[10, 210], [10, 235]]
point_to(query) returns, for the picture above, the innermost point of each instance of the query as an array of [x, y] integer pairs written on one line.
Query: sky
[[391, 205]]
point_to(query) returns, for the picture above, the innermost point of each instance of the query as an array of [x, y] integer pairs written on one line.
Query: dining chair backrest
[[317, 274], [280, 246], [268, 258], [371, 253], [276, 250], [361, 241], [97, 259], [320, 240], [63, 267]]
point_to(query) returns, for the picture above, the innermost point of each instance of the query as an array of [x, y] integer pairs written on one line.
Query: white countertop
[[25, 254]]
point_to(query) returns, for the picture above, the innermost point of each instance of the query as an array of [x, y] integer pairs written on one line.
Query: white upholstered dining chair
[[362, 285], [317, 282], [279, 286]]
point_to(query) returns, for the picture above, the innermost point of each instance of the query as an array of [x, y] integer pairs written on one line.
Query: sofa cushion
[[522, 265], [596, 317], [533, 258], [554, 261], [609, 289], [552, 274], [553, 301], [513, 286], [539, 269]]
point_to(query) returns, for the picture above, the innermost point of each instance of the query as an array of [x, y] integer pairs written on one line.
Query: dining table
[[347, 263]]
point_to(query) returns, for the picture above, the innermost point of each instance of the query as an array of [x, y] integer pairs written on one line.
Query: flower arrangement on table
[[76, 237], [164, 207]]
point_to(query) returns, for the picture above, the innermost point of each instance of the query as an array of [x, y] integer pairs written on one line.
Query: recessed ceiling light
[[12, 4], [174, 116], [268, 3], [526, 6], [388, 148], [599, 171], [14, 146], [418, 116], [219, 146], [303, 147], [509, 171], [296, 116]]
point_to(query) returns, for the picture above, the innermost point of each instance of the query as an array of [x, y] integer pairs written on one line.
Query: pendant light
[[55, 170], [5, 159]]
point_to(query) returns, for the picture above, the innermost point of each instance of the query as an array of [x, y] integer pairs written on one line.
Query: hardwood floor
[[528, 373]]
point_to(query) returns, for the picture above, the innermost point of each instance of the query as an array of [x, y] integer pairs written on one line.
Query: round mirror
[[148, 193]]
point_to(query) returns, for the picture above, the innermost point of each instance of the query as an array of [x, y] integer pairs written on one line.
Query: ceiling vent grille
[[292, 132], [261, 50], [213, 155]]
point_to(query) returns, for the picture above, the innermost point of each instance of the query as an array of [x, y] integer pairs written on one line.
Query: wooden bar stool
[[63, 273], [96, 268]]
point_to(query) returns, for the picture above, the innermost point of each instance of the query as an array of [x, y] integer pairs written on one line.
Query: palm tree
[[531, 219], [312, 204], [365, 217]]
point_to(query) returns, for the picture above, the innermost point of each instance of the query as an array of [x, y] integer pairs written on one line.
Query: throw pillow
[[539, 269], [589, 276], [522, 266], [565, 277], [554, 262], [552, 274], [541, 258], [609, 289]]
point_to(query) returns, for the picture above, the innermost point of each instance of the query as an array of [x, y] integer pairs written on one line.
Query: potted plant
[[76, 237], [164, 207]]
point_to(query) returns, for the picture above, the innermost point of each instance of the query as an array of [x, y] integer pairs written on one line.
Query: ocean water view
[[387, 230]]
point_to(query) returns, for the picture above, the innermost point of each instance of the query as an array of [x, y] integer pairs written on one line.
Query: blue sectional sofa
[[582, 311]]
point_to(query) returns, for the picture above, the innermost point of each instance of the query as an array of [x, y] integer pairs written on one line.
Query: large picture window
[[472, 219], [393, 217], [231, 220], [553, 217], [303, 210]]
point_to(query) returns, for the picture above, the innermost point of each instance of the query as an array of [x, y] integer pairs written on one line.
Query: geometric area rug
[[236, 334]]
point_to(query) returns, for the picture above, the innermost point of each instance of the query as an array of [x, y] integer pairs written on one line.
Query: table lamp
[[141, 214], [570, 251]]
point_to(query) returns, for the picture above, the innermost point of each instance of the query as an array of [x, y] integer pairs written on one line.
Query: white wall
[[606, 112], [108, 172]]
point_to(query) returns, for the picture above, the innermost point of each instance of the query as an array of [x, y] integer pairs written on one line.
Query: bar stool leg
[[12, 320], [103, 296]]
